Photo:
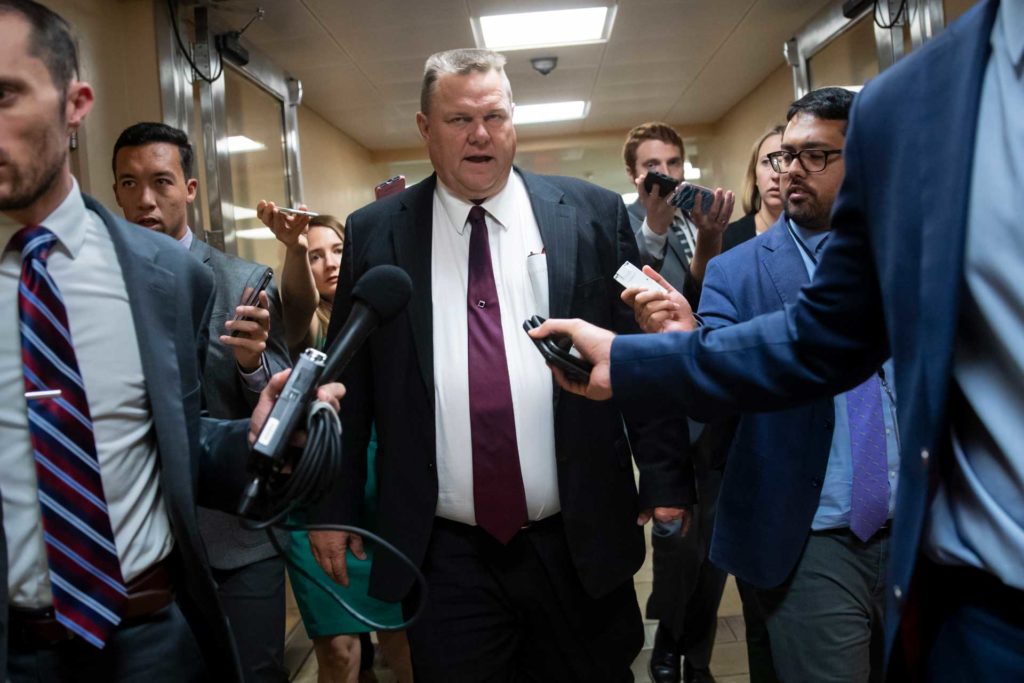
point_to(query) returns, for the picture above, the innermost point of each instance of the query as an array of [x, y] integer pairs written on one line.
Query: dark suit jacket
[[228, 544], [201, 460], [890, 283], [391, 385], [777, 460], [675, 267]]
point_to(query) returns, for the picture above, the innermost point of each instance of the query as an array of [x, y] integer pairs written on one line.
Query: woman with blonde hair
[[762, 200]]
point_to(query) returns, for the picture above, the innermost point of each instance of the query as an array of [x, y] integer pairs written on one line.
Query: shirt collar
[[1010, 22], [501, 206], [186, 239], [68, 221], [811, 238]]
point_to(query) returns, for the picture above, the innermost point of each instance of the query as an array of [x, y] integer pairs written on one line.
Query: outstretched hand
[[594, 344], [658, 312]]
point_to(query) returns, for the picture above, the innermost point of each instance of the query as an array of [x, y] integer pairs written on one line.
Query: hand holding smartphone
[[688, 195], [389, 187], [253, 299], [666, 184], [559, 352], [296, 212]]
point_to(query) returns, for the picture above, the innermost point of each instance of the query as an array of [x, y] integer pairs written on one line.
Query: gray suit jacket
[[228, 544], [201, 460], [675, 267]]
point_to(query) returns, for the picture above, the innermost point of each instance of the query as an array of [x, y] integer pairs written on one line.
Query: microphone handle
[[361, 322]]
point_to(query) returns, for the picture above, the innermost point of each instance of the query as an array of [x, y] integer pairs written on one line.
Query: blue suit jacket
[[891, 280], [777, 460]]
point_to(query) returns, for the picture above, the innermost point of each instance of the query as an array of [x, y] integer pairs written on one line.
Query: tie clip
[[45, 393]]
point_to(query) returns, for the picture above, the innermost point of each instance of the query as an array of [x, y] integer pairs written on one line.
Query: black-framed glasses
[[812, 160]]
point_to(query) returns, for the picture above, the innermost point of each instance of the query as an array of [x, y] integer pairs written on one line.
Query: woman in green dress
[[308, 282]]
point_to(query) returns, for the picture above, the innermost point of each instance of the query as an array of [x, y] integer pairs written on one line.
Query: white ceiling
[[682, 61]]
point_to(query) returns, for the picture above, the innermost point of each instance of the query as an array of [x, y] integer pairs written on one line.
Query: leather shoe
[[664, 664]]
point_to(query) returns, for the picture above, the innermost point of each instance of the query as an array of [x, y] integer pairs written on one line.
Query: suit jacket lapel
[[949, 92], [676, 264], [411, 230], [783, 263], [150, 286], [557, 223], [200, 249]]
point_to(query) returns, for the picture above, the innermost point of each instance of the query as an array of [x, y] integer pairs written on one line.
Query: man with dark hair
[[103, 450], [676, 244], [519, 502], [687, 588], [153, 185]]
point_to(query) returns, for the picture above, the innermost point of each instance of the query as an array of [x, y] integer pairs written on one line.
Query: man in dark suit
[[103, 445], [687, 588], [518, 501], [924, 263], [153, 185]]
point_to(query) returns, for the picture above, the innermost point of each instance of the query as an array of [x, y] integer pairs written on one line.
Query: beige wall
[[338, 174], [728, 148], [117, 50]]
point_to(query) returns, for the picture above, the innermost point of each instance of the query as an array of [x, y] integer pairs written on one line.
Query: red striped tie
[[85, 574]]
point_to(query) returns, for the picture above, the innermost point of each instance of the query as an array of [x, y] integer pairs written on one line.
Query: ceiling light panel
[[525, 114], [528, 30]]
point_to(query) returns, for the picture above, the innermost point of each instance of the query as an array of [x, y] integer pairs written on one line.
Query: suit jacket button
[[815, 482], [925, 455], [897, 593], [430, 466]]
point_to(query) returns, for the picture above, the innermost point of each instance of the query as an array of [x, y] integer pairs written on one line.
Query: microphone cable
[[312, 476]]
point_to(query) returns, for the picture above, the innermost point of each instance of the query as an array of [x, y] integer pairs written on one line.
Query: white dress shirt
[[657, 244], [85, 267], [514, 237]]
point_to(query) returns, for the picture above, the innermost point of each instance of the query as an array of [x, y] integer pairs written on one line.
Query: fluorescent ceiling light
[[240, 143], [550, 111], [690, 172], [544, 29], [255, 234], [244, 213], [629, 197]]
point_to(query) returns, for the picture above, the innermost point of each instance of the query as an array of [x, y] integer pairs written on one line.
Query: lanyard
[[803, 245]]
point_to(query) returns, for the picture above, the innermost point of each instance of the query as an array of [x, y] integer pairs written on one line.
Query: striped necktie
[[685, 235], [85, 573]]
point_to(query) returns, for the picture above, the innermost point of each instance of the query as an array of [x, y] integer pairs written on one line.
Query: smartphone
[[666, 183], [629, 275], [297, 212], [254, 296], [559, 351], [687, 197], [389, 187]]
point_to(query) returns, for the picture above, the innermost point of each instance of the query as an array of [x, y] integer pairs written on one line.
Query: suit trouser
[[159, 649], [687, 587], [518, 612], [253, 598], [825, 621]]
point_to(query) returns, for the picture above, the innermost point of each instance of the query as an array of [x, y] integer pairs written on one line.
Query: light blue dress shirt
[[977, 517], [834, 505]]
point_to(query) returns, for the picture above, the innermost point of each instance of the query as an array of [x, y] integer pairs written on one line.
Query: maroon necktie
[[498, 495]]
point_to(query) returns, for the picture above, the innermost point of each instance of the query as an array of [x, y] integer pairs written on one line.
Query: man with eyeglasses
[[809, 492]]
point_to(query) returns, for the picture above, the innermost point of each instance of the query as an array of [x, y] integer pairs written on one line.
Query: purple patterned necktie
[[499, 499], [85, 573], [869, 500]]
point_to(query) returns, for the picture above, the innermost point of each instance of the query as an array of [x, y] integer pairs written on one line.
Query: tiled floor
[[728, 664]]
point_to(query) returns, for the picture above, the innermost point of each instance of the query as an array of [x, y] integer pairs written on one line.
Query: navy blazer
[[891, 280], [390, 384], [777, 460]]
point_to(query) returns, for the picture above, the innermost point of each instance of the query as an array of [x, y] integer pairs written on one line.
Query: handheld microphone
[[379, 295]]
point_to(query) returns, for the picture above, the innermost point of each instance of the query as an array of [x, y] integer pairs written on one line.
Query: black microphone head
[[384, 289]]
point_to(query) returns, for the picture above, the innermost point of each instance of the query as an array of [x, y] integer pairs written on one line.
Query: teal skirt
[[321, 614]]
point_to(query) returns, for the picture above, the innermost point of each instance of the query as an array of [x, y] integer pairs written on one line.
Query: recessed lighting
[[244, 213], [544, 29], [690, 172], [240, 143], [550, 111]]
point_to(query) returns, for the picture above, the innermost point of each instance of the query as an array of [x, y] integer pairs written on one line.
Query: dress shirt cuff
[[257, 379], [654, 242]]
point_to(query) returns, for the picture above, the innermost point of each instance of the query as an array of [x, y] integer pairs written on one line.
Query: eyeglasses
[[812, 160]]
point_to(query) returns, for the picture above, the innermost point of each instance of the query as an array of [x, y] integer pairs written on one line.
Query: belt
[[148, 593]]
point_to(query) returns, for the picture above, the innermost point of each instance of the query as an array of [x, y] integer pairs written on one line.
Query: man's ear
[[77, 104], [423, 125], [191, 190]]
